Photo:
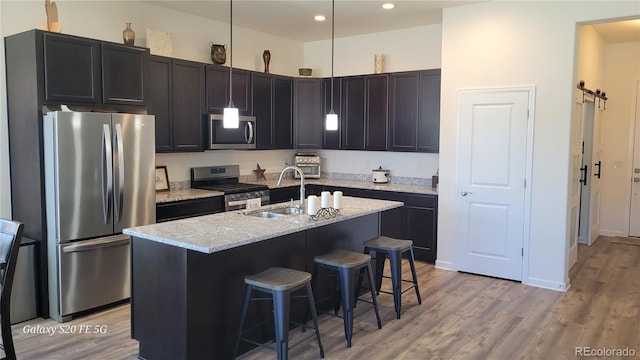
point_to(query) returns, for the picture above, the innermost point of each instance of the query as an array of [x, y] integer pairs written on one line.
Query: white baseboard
[[444, 265], [607, 232], [546, 284]]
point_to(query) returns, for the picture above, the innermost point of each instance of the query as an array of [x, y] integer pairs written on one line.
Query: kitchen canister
[[312, 205], [337, 200]]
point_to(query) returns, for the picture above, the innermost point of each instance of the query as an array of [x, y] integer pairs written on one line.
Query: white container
[[325, 199], [337, 200]]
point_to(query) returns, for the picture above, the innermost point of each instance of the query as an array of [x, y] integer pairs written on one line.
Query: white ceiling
[[293, 19]]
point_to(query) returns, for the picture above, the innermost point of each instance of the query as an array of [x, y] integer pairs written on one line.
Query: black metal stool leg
[[380, 260], [243, 315], [347, 303], [314, 315], [395, 258], [359, 286], [373, 295], [413, 274], [281, 301]]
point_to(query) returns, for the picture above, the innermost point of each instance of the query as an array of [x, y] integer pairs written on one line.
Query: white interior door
[[634, 224], [491, 182], [576, 185]]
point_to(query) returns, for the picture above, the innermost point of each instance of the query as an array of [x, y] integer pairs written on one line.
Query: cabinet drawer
[[188, 208]]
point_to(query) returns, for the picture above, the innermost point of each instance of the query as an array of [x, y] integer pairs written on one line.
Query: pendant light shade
[[331, 122], [230, 119]]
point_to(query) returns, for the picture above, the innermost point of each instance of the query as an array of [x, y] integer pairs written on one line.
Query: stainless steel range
[[225, 178]]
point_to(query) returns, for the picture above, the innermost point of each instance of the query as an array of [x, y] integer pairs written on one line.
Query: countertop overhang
[[218, 232]]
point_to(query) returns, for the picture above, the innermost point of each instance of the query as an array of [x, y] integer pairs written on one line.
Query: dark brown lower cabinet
[[188, 208]]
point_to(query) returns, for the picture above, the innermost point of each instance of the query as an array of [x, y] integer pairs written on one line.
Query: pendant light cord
[[231, 53], [333, 7]]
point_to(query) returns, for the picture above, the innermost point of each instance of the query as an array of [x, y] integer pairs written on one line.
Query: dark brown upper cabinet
[[272, 97], [414, 111], [123, 74], [175, 92], [332, 139], [353, 112], [308, 116], [217, 89], [80, 70], [377, 93]]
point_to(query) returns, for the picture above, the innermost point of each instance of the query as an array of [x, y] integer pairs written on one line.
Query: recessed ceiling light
[[319, 18], [388, 6]]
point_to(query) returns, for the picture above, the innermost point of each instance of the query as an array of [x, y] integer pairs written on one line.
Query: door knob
[[464, 193], [636, 179]]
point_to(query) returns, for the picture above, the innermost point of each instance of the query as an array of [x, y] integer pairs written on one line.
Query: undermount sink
[[272, 213]]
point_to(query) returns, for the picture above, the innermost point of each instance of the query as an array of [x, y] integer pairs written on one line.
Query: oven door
[[244, 137], [239, 201], [311, 171]]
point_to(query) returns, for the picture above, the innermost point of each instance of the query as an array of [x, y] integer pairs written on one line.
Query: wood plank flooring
[[462, 316]]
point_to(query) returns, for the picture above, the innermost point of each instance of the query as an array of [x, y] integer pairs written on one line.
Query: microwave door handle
[[249, 138]]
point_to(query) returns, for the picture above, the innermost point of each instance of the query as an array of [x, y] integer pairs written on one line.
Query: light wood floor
[[462, 316]]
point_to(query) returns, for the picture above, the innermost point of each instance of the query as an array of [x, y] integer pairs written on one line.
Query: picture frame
[[162, 179]]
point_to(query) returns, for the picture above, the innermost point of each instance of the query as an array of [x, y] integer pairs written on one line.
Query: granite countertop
[[188, 194], [416, 189], [217, 232]]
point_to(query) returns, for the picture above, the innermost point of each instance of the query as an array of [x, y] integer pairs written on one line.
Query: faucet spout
[[299, 171]]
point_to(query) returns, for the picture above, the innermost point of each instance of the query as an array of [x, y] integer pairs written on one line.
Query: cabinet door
[[353, 109], [217, 78], [284, 194], [187, 98], [332, 139], [71, 69], [429, 114], [403, 112], [308, 113], [376, 120], [282, 113], [123, 74], [262, 110], [158, 94], [421, 228], [188, 208]]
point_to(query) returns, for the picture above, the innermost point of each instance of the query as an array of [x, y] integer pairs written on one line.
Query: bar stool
[[279, 282], [393, 249], [347, 263]]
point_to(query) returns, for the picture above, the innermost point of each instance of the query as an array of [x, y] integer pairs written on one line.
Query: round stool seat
[[387, 243], [343, 259], [278, 279]]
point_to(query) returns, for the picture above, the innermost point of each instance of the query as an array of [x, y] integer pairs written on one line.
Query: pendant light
[[331, 122], [230, 119]]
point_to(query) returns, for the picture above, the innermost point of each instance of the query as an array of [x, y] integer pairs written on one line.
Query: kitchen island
[[188, 275]]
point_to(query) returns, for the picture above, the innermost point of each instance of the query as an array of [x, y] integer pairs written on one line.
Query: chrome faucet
[[297, 169]]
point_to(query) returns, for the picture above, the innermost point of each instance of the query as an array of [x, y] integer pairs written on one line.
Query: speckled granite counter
[[213, 233], [416, 189], [188, 194]]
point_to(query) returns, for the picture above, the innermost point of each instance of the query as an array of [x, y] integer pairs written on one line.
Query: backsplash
[[367, 178]]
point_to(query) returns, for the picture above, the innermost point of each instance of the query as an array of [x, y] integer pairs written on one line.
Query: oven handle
[[248, 138]]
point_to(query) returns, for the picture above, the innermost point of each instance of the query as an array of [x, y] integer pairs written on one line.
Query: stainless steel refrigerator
[[99, 179]]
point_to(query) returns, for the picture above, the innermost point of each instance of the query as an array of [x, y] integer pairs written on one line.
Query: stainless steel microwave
[[244, 137]]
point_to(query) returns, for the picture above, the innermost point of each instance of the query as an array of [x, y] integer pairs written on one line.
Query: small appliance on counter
[[380, 176], [309, 163]]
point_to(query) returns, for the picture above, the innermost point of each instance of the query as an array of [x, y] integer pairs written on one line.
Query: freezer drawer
[[93, 273]]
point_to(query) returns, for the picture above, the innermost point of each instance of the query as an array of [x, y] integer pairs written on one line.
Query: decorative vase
[[378, 63], [128, 35], [266, 56], [218, 53]]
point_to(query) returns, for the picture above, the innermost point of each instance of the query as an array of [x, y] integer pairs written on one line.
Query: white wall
[[590, 57], [105, 20], [621, 71], [495, 44]]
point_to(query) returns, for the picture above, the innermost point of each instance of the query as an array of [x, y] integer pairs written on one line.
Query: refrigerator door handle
[[96, 244], [119, 147], [107, 172]]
